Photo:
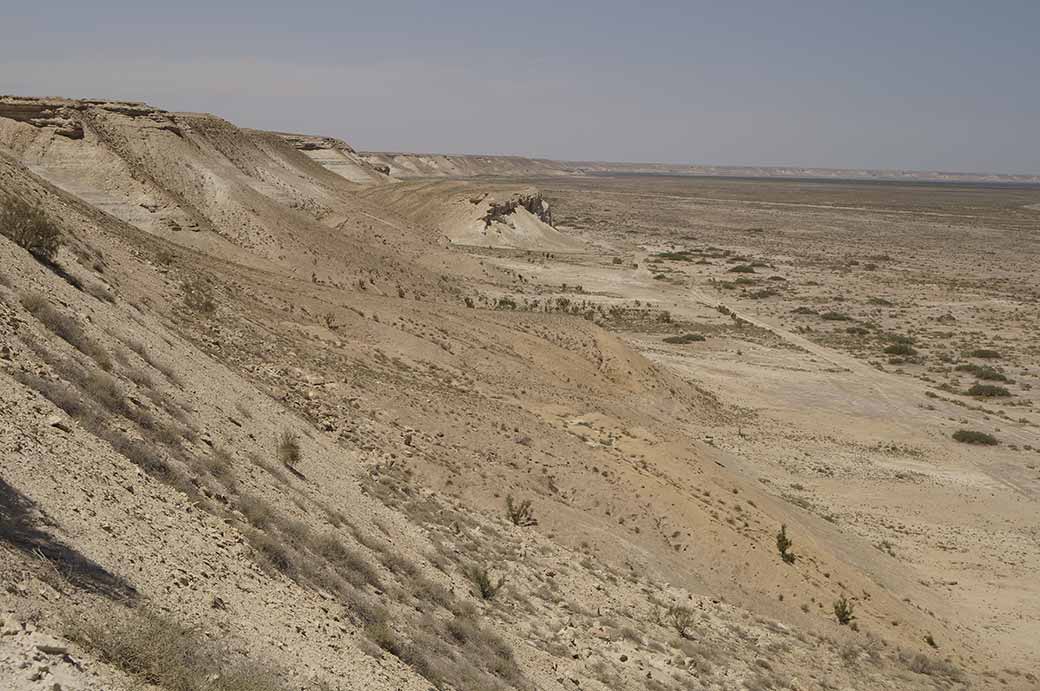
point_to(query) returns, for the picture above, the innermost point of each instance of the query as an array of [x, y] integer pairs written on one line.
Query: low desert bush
[[835, 316], [984, 353], [273, 552], [900, 349], [385, 637], [288, 448], [681, 619], [165, 653], [487, 587], [220, 464], [160, 367], [257, 511], [742, 269], [684, 338], [198, 296], [28, 227], [920, 663], [59, 393], [347, 562], [967, 436]]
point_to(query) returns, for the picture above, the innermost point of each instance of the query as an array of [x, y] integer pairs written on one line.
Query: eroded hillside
[[253, 399]]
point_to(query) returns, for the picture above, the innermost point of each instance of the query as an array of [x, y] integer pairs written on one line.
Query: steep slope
[[232, 190], [313, 472]]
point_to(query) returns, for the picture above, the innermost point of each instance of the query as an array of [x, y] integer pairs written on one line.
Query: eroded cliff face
[[66, 117]]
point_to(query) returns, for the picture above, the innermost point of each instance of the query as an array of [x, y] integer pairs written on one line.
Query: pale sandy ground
[[868, 448]]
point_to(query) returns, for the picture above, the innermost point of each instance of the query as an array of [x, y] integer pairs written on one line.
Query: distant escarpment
[[338, 156]]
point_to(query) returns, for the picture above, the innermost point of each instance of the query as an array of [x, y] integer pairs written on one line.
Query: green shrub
[[742, 269], [982, 372], [843, 611], [985, 354], [967, 436], [487, 587], [521, 514], [28, 227], [988, 390], [783, 545]]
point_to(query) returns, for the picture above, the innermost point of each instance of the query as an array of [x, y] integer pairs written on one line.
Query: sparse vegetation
[[742, 269], [66, 328], [984, 353], [835, 316], [164, 652], [28, 227], [967, 436]]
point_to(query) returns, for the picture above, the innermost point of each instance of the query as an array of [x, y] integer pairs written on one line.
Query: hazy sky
[[946, 84]]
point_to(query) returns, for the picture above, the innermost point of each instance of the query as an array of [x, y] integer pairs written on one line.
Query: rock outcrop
[[533, 202]]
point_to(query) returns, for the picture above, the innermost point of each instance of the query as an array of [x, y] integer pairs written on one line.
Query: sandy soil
[[217, 289]]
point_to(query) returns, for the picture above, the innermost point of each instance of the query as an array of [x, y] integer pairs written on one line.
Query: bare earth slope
[[292, 427]]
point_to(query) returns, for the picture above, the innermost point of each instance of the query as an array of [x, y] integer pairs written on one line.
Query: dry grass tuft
[[166, 653]]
